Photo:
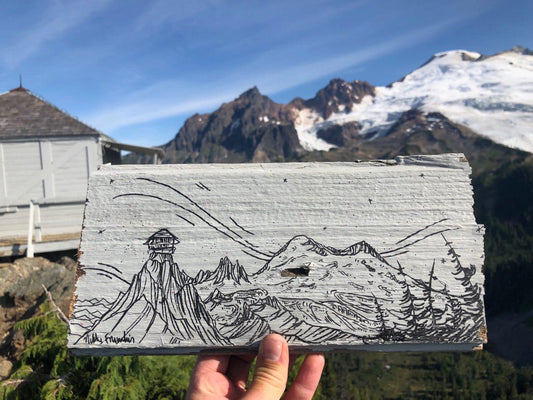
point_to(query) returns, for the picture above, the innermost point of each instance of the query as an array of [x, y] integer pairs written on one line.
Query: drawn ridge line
[[240, 226]]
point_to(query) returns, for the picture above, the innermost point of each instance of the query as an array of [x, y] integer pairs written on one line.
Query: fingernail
[[271, 348]]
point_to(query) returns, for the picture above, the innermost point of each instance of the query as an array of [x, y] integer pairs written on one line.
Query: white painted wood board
[[380, 255]]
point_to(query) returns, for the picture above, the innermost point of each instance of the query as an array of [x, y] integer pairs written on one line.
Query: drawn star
[[284, 180], [370, 201], [421, 175], [443, 260]]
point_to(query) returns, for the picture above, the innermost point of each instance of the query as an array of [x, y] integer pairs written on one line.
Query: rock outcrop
[[21, 294]]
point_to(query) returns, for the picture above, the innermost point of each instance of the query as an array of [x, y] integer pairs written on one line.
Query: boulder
[[5, 368]]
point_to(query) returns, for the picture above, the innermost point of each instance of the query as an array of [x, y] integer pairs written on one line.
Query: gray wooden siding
[[47, 169], [56, 219], [22, 169], [53, 173]]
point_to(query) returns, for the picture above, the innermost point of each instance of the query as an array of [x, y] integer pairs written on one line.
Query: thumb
[[271, 369]]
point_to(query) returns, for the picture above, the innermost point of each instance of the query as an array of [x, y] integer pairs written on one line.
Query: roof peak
[[24, 114], [20, 89]]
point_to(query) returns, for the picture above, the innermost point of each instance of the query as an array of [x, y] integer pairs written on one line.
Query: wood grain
[[382, 255]]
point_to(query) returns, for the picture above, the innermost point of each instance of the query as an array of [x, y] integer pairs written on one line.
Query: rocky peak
[[520, 50], [250, 94], [338, 96], [250, 128], [227, 270]]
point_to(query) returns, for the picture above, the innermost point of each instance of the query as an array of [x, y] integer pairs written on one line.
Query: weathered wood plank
[[334, 256]]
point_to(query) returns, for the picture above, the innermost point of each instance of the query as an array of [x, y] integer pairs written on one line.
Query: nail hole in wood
[[300, 271]]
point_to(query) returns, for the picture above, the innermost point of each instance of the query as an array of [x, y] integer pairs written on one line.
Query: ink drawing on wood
[[184, 258]]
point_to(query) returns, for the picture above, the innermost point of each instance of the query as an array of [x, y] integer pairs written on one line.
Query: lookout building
[[46, 157]]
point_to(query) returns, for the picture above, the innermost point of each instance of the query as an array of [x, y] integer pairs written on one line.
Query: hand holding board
[[334, 256]]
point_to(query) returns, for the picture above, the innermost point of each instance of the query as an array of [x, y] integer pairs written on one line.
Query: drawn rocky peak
[[225, 271], [362, 247], [216, 296], [304, 243], [160, 298], [162, 269]]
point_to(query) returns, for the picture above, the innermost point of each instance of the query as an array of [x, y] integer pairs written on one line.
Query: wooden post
[[381, 255], [29, 249], [37, 224]]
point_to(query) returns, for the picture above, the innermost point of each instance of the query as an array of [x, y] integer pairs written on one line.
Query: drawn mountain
[[226, 271], [253, 313], [305, 262], [381, 301], [87, 312], [310, 292], [297, 296], [162, 299]]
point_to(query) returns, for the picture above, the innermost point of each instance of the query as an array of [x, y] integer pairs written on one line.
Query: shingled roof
[[25, 115]]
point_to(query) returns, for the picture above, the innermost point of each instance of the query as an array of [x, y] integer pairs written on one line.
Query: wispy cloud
[[56, 20], [306, 72], [154, 103], [159, 13], [181, 98]]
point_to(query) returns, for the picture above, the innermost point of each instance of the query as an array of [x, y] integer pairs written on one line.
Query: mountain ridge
[[484, 94]]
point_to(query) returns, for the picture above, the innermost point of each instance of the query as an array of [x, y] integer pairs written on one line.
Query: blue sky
[[137, 69]]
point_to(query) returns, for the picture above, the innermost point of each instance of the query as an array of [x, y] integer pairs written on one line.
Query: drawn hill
[[385, 303]]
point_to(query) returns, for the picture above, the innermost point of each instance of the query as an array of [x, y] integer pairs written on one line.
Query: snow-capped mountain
[[475, 98], [491, 95]]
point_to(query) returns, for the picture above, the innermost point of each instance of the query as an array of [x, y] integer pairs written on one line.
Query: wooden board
[[335, 256]]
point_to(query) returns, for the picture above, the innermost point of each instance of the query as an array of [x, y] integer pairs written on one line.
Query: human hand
[[224, 377]]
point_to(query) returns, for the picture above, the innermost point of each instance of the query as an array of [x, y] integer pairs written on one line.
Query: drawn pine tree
[[386, 326], [405, 314], [380, 318], [452, 330], [425, 312], [470, 303]]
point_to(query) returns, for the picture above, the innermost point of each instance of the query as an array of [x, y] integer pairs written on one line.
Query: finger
[[212, 363], [271, 369], [239, 369], [306, 382], [208, 378]]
